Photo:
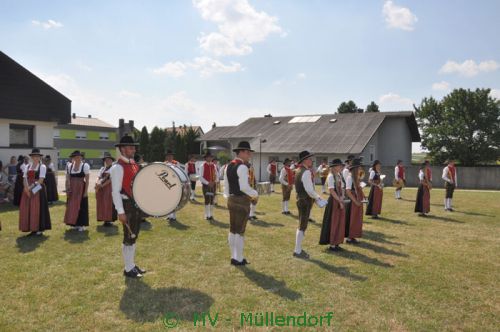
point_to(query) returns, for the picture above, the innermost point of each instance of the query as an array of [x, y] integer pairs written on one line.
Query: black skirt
[[419, 203], [45, 222], [347, 218], [324, 237], [83, 213], [50, 183]]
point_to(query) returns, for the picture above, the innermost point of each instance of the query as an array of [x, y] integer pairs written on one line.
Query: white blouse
[[70, 169], [42, 167]]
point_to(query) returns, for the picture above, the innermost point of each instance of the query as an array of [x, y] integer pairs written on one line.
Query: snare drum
[[194, 177], [159, 189], [264, 188]]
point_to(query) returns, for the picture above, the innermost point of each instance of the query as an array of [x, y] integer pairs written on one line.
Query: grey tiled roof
[[350, 133]]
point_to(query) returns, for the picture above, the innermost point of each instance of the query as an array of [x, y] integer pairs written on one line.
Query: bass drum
[[160, 189]]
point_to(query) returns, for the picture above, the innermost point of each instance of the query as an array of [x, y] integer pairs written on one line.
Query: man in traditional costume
[[399, 178], [272, 170], [208, 178], [287, 179], [450, 183]]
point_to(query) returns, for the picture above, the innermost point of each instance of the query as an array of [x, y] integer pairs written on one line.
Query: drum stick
[[132, 235]]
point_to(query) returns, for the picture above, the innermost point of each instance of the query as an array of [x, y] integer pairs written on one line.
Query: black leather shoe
[[303, 255], [352, 241], [132, 274], [236, 263], [335, 248], [138, 269]]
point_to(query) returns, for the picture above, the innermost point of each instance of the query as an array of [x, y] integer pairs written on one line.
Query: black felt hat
[[243, 145], [107, 155], [36, 152], [304, 155], [126, 140], [336, 162], [75, 154], [357, 162]]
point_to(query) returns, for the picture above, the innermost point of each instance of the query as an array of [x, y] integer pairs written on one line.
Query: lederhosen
[[304, 201], [34, 213], [207, 190], [238, 202], [77, 206], [333, 228], [375, 197], [134, 215], [51, 185], [450, 187], [287, 190]]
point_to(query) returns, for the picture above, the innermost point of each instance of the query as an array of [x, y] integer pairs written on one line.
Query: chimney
[[121, 123], [131, 125], [90, 116], [74, 115], [214, 125]]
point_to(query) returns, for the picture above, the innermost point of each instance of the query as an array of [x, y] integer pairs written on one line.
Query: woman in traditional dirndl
[[374, 207], [333, 228], [354, 191], [50, 180], [34, 216], [104, 201], [77, 204], [423, 201]]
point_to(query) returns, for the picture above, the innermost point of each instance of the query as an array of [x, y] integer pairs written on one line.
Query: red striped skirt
[[356, 221], [337, 228], [74, 200], [104, 204], [29, 212]]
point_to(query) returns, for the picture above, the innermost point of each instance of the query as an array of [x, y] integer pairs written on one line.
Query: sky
[[204, 61]]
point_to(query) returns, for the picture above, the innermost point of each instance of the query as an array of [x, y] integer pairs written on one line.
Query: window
[[104, 136], [302, 119], [21, 136], [57, 133], [81, 135]]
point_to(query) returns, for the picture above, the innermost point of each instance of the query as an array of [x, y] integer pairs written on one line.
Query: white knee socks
[[252, 210], [128, 256], [231, 239], [299, 236]]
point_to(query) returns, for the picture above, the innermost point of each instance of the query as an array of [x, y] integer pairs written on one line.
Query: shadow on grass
[[28, 243], [446, 219], [220, 207], [473, 214], [379, 237], [262, 223], [380, 250], [341, 271], [217, 223], [8, 207], [75, 236], [177, 225], [362, 258], [392, 221], [270, 284], [196, 202], [107, 230], [146, 225], [141, 303]]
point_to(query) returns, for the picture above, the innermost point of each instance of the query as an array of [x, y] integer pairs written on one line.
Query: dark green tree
[[144, 143], [190, 140], [349, 107], [157, 145], [464, 126], [372, 107]]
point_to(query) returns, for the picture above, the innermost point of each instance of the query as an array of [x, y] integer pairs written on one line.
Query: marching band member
[[238, 193], [122, 174], [77, 182], [374, 207], [450, 183], [190, 169], [287, 179], [346, 171], [399, 178], [253, 184], [306, 195], [34, 213], [169, 160], [423, 201], [50, 180], [354, 217], [104, 200], [272, 169], [323, 171], [333, 228], [208, 178], [217, 183]]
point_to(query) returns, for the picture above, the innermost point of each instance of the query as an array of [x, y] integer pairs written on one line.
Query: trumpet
[[361, 173]]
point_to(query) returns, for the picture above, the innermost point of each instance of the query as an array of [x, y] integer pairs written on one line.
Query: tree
[[372, 107], [144, 143], [157, 145], [464, 126], [190, 140], [349, 107]]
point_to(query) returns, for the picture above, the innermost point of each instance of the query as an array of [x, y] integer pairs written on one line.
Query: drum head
[[157, 189]]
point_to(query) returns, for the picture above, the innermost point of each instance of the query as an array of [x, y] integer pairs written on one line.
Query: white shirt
[[447, 178], [116, 173], [330, 180], [282, 177], [242, 172], [71, 170], [372, 174], [308, 184], [43, 170], [202, 171], [396, 173], [421, 175], [348, 182], [269, 168], [346, 173]]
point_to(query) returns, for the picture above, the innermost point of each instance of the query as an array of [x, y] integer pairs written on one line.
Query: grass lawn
[[409, 273]]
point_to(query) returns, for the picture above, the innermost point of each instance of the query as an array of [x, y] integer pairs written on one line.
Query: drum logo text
[[163, 177]]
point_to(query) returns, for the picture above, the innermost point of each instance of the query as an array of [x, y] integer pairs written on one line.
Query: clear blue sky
[[201, 61]]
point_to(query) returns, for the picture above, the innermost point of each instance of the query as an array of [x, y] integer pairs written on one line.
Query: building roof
[[24, 96], [342, 133], [89, 122], [181, 130], [217, 133]]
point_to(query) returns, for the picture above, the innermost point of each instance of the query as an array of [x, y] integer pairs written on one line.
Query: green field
[[409, 273]]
